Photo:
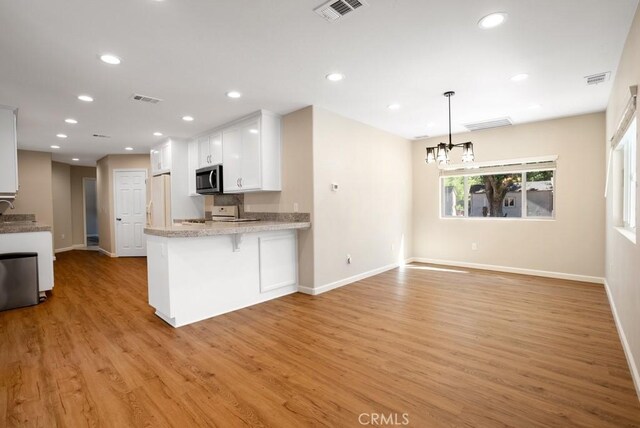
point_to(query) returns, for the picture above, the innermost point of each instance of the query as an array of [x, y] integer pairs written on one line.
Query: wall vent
[[145, 99], [336, 9], [596, 79], [488, 124], [101, 136], [421, 137]]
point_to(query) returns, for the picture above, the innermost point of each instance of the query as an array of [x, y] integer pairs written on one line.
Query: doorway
[[91, 240], [130, 197]]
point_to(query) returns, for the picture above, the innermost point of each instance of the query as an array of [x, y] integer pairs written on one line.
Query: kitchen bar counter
[[229, 266], [23, 227], [223, 228]]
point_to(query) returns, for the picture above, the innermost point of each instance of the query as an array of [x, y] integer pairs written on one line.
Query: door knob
[[118, 219]]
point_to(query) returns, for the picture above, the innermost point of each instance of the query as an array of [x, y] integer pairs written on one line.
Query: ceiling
[[276, 53]]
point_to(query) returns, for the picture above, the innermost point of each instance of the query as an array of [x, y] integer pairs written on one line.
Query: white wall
[[623, 256], [573, 243], [369, 217]]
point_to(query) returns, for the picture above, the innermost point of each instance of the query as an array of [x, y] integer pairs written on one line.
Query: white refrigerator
[[160, 210]]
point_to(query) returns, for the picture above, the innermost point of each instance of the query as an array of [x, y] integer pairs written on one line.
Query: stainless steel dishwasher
[[18, 280]]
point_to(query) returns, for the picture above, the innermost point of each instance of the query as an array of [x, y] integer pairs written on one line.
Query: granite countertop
[[21, 223], [223, 228]]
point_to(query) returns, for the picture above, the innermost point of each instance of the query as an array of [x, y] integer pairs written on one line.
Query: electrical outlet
[[393, 247], [62, 236], [474, 246], [295, 207], [348, 259]]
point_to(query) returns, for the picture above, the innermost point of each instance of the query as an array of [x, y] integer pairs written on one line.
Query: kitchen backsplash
[[238, 200]]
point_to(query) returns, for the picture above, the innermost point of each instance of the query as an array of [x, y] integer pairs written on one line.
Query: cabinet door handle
[[240, 181]]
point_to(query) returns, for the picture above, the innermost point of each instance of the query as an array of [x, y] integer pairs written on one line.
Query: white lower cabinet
[[191, 279]]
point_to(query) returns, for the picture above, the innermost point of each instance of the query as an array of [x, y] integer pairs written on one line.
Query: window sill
[[500, 218], [629, 234]]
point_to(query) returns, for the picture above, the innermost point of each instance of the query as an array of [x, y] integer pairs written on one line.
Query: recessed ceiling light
[[85, 98], [253, 131], [335, 77], [55, 147], [393, 106], [61, 135], [71, 121], [128, 149], [535, 106], [493, 20], [520, 77], [75, 159], [110, 59], [187, 118], [234, 94], [158, 134]]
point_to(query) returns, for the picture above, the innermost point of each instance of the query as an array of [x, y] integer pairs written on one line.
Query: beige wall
[[35, 194], [297, 184], [77, 200], [573, 243], [369, 217], [623, 256], [104, 174], [61, 185]]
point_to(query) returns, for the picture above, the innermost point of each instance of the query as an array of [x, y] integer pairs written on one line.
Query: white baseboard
[[635, 373], [522, 271], [314, 291], [106, 253], [71, 248]]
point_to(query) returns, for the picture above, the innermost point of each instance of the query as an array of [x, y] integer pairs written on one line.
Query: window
[[520, 194], [626, 151]]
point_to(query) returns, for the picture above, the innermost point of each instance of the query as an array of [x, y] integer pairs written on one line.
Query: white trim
[[627, 233], [106, 253], [633, 368], [314, 291], [71, 248], [522, 271]]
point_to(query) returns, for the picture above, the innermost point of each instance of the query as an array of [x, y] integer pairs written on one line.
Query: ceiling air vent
[[101, 136], [595, 79], [421, 137], [145, 99], [336, 9], [494, 123]]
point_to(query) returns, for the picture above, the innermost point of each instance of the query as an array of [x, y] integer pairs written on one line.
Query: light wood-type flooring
[[443, 347]]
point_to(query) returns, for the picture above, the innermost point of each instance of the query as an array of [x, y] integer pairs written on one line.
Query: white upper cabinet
[[251, 154], [8, 153], [161, 158], [210, 150]]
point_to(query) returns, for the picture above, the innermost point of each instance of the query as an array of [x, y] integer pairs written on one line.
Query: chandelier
[[440, 152]]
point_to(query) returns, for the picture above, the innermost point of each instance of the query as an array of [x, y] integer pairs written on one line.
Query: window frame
[[523, 217], [628, 147]]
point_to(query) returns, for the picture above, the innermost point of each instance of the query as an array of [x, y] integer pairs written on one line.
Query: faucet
[[9, 202]]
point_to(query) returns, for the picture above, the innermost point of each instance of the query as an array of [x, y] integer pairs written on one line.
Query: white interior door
[[130, 208]]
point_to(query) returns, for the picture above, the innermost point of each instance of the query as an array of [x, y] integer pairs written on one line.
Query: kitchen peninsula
[[198, 271]]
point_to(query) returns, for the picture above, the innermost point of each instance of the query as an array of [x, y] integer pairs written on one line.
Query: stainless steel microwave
[[209, 180]]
